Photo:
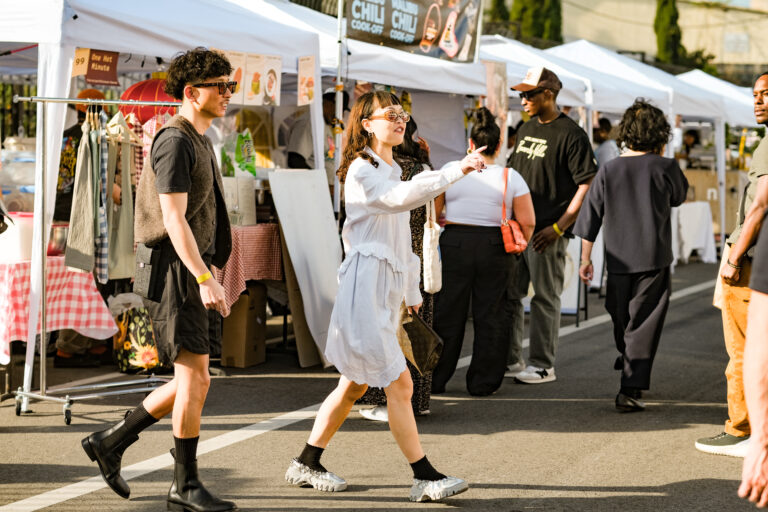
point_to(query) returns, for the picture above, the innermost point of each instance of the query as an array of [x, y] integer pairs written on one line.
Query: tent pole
[[44, 257], [339, 111]]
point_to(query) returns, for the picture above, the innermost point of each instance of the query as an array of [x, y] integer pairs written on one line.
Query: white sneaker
[[300, 474], [724, 444], [425, 490], [536, 375], [378, 413], [513, 370]]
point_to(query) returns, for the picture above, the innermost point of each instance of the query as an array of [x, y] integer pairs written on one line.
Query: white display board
[[569, 299], [306, 216]]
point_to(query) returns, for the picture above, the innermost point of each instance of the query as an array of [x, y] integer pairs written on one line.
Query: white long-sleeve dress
[[379, 269]]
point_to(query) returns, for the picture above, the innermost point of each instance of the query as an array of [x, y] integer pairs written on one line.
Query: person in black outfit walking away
[[633, 196]]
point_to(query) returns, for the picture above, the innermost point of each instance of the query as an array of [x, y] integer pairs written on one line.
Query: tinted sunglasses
[[223, 86], [392, 116], [526, 95]]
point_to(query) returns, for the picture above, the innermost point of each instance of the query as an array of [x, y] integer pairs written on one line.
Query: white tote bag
[[433, 267]]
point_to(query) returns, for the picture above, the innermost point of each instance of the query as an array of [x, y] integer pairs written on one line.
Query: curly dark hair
[[195, 66], [410, 148], [644, 128]]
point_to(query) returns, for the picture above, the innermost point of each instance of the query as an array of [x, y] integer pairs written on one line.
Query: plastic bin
[[16, 241]]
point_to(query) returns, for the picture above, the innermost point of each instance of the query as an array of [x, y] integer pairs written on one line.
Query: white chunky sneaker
[[536, 375], [300, 474], [513, 370], [425, 490], [378, 413]]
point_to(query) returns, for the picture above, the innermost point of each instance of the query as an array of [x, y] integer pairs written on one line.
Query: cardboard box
[[244, 330]]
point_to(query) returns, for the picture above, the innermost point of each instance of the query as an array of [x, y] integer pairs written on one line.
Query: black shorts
[[179, 320]]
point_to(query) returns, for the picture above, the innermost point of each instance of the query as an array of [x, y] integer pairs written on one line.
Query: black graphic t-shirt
[[554, 159]]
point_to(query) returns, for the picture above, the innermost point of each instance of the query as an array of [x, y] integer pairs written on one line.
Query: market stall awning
[[373, 63], [738, 100], [609, 93], [686, 99]]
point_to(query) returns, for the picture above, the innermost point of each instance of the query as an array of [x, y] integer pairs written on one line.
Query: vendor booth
[[59, 27]]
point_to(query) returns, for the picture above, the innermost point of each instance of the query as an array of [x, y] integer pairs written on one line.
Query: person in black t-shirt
[[632, 198], [180, 210], [755, 472], [555, 158]]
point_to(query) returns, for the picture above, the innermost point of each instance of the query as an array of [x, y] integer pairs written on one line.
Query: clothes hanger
[[118, 126]]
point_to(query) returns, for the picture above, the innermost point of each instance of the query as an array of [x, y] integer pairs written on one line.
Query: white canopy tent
[[436, 86], [141, 27], [738, 100], [601, 91], [684, 98]]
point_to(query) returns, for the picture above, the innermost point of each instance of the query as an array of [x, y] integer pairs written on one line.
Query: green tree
[[669, 46], [553, 20], [499, 11]]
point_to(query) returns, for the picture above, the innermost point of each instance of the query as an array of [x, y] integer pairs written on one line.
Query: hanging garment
[[80, 239], [121, 255], [138, 151], [102, 239]]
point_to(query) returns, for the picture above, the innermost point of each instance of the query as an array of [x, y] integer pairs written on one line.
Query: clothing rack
[[67, 396]]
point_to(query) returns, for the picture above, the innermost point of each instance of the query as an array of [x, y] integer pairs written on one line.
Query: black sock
[[137, 420], [186, 449], [310, 457], [423, 470]]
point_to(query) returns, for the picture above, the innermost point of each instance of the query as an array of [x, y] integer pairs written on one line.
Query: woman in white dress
[[377, 274]]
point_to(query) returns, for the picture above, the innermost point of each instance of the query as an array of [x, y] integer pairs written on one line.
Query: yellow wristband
[[203, 278], [557, 229], [586, 262]]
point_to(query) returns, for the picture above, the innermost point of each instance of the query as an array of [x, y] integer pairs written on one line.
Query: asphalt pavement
[[559, 446]]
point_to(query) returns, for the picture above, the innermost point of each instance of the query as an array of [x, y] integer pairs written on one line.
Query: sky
[[738, 3]]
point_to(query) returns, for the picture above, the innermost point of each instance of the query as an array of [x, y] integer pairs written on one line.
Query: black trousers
[[637, 304], [476, 267]]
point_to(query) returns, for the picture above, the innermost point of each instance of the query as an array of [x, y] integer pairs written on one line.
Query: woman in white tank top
[[475, 264]]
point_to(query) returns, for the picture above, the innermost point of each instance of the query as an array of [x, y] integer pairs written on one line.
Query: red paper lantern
[[148, 90]]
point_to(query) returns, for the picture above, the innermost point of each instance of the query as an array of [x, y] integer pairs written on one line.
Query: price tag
[[80, 64]]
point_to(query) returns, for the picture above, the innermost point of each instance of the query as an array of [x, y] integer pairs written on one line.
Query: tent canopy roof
[[609, 93], [738, 100], [174, 26], [373, 63], [686, 99]]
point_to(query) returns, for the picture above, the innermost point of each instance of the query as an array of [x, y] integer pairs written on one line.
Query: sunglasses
[[392, 116], [526, 95], [223, 86]]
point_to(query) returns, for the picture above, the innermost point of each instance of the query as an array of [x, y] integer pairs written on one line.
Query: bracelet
[[557, 229], [737, 267], [586, 262], [203, 278]]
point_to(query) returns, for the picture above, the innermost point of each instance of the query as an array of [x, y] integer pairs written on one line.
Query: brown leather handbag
[[511, 233]]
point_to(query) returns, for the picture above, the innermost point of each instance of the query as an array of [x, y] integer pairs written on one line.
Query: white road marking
[[68, 492]]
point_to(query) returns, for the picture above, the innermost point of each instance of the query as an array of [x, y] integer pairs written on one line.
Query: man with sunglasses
[[181, 217], [555, 158]]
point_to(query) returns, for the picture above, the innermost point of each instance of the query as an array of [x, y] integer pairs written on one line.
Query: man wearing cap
[[555, 158], [301, 151]]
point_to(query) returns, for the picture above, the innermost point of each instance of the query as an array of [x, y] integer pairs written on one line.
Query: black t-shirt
[[759, 279], [632, 198], [67, 166], [173, 157], [554, 159]]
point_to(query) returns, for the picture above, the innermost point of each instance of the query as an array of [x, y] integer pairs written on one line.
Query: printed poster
[[306, 80], [237, 60], [254, 81], [273, 67]]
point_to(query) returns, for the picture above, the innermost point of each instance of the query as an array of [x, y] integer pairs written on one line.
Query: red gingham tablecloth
[[255, 255], [73, 302]]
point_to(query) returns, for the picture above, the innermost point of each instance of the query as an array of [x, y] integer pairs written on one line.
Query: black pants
[[476, 267], [638, 304]]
